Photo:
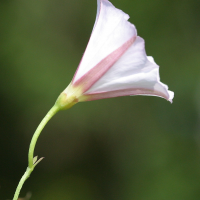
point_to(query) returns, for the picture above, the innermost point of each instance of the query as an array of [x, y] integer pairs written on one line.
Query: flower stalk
[[32, 161]]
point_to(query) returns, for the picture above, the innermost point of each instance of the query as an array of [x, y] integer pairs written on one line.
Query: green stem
[[42, 124], [21, 182], [31, 161]]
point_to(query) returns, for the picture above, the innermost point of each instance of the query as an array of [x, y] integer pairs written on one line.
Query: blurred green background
[[126, 148]]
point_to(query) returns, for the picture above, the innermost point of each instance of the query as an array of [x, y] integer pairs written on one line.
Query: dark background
[[125, 148]]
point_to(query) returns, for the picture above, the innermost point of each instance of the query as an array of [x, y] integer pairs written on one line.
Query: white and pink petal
[[115, 62], [110, 32], [133, 74]]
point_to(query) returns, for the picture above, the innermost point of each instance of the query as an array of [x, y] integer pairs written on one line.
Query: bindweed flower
[[114, 63]]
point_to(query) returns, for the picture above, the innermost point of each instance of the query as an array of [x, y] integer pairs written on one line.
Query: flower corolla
[[114, 62]]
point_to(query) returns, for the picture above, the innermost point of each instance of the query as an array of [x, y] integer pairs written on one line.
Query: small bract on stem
[[114, 64]]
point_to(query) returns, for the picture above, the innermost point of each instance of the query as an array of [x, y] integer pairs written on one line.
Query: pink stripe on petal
[[126, 92], [99, 7], [94, 74]]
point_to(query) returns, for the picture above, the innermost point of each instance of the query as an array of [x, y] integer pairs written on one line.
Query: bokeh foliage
[[126, 148]]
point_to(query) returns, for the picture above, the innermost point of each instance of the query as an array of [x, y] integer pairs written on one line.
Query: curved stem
[[42, 124], [21, 182], [32, 162]]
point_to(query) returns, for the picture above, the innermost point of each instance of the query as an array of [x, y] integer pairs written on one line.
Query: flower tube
[[114, 62]]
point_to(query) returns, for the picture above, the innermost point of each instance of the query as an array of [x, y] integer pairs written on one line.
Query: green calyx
[[65, 101]]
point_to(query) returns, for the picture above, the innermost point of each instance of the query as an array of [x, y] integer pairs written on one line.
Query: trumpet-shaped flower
[[114, 63]]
